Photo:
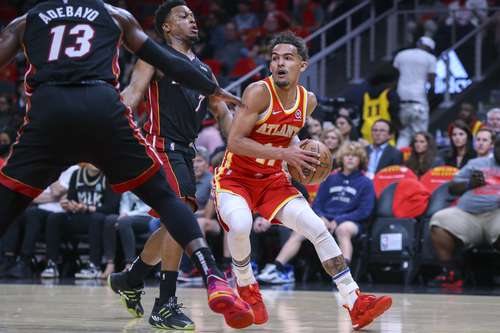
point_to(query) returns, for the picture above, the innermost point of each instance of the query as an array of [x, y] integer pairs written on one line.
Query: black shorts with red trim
[[68, 124], [177, 159]]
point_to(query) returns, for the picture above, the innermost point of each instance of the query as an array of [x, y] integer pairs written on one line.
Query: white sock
[[244, 274], [348, 288]]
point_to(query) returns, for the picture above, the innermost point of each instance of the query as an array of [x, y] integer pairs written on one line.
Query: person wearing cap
[[417, 67]]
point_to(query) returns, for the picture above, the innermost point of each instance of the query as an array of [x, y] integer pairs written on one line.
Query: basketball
[[322, 170]]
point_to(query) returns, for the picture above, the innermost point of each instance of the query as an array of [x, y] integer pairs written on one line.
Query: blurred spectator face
[[4, 104], [230, 32], [181, 23], [421, 144], [458, 137], [483, 143], [271, 23], [286, 65], [269, 6], [5, 138], [466, 112], [350, 162], [343, 126], [331, 141], [200, 166], [243, 7], [380, 133], [493, 120], [314, 127]]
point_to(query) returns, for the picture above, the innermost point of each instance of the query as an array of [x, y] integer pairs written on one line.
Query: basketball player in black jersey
[[74, 114], [174, 120]]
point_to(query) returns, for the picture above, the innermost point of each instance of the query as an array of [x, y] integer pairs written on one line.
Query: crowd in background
[[379, 123]]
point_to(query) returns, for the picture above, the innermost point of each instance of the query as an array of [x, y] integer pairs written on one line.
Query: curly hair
[[355, 149]]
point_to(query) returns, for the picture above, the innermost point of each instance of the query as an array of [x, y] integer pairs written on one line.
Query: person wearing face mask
[[461, 145], [423, 154], [476, 218]]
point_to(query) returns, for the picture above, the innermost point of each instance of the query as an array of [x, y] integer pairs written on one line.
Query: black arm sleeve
[[172, 62]]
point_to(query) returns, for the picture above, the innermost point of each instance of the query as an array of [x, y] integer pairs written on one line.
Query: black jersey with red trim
[[69, 41], [176, 112]]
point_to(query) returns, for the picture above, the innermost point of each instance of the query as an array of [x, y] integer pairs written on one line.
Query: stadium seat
[[440, 199], [438, 176], [389, 175], [393, 241]]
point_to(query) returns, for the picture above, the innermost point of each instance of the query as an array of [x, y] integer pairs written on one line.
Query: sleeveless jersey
[[175, 112], [69, 41], [275, 127], [373, 110]]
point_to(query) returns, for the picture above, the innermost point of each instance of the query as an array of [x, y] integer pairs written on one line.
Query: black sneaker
[[22, 269], [169, 316], [130, 297]]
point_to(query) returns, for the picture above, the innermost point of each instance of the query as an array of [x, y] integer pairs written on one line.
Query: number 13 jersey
[[275, 127], [69, 41]]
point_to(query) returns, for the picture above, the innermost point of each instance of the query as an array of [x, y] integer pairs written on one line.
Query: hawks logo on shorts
[[275, 126]]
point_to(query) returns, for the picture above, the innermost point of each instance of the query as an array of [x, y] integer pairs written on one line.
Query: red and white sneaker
[[251, 294], [367, 308], [222, 299]]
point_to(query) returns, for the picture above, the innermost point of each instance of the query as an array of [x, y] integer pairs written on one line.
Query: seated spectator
[[461, 150], [90, 199], [210, 136], [6, 140], [381, 154], [245, 19], [483, 142], [309, 14], [133, 219], [275, 20], [423, 155], [346, 128], [314, 128], [476, 218], [467, 113], [32, 223], [9, 118], [345, 201], [493, 120], [230, 51], [203, 176], [333, 140]]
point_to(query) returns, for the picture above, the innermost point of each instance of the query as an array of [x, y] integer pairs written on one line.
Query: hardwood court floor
[[40, 309]]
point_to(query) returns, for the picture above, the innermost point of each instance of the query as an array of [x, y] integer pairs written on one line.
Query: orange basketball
[[322, 170]]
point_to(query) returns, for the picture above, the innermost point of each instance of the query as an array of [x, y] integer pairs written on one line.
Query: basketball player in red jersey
[[251, 179]]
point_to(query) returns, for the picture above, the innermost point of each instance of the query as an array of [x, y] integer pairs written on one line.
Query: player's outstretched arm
[[10, 39], [221, 113], [141, 77], [256, 99], [166, 59]]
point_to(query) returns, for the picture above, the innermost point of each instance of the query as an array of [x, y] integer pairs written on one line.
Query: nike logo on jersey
[[276, 112], [204, 68], [173, 82]]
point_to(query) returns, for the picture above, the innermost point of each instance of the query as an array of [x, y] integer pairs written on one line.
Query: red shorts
[[264, 195]]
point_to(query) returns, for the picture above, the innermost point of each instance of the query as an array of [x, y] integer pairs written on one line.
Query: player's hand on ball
[[300, 158]]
